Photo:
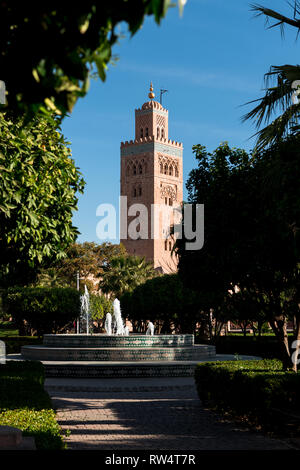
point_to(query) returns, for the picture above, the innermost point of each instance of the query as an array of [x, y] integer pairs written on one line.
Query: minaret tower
[[151, 174]]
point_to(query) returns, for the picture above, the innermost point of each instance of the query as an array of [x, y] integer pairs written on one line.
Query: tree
[[124, 273], [166, 302], [252, 220], [281, 86], [99, 307], [58, 47], [215, 182], [38, 194], [279, 167], [42, 310], [88, 259]]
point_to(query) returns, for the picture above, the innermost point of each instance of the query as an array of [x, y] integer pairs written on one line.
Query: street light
[[78, 278]]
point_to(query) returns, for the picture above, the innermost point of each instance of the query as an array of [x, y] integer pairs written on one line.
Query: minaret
[[151, 174]]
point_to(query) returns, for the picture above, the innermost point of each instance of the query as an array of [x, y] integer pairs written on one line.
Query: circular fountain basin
[[44, 353], [134, 355]]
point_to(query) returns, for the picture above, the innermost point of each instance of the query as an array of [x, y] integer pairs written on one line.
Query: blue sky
[[212, 60]]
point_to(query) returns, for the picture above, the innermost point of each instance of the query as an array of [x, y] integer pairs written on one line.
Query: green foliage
[[38, 186], [99, 306], [26, 405], [66, 45], [88, 259], [252, 217], [163, 299], [32, 370], [221, 182], [252, 389], [124, 273], [45, 310], [14, 343]]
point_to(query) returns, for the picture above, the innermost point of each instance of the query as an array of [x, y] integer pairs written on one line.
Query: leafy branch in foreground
[[49, 49], [38, 194]]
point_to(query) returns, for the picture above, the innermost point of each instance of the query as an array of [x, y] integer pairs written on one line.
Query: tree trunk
[[279, 327], [210, 326], [297, 343]]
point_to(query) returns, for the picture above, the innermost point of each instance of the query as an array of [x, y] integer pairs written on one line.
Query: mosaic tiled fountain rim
[[46, 353], [131, 341], [138, 370]]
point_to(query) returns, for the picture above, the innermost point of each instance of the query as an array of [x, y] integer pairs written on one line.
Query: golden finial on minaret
[[151, 94]]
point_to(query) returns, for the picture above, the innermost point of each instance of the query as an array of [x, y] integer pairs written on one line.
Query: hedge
[[13, 344], [43, 309], [26, 405], [258, 390]]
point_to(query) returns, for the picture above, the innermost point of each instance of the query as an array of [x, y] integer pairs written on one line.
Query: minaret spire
[[151, 94]]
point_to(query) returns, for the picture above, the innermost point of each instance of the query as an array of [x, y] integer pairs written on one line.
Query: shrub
[[255, 389], [42, 309], [13, 344], [26, 405]]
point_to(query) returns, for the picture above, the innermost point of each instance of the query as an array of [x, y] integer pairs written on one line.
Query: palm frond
[[277, 98], [282, 20], [283, 125]]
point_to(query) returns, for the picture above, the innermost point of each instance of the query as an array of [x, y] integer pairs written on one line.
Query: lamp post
[[77, 285], [2, 92]]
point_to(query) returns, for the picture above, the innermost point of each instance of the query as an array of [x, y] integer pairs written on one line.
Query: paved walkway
[[145, 414]]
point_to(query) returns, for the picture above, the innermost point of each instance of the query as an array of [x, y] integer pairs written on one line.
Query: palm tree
[[124, 273], [51, 277], [281, 90]]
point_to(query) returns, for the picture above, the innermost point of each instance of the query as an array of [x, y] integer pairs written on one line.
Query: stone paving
[[146, 414]]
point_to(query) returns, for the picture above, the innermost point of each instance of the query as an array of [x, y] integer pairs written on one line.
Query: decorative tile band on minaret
[[151, 174]]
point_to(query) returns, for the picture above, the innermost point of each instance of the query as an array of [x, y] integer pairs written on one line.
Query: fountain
[[117, 353], [84, 319], [107, 325], [118, 322], [118, 327], [150, 329]]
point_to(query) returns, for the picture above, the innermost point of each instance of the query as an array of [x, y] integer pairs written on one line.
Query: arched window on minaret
[[166, 169], [146, 132], [162, 133], [161, 168], [157, 133], [170, 170], [176, 171], [142, 133], [140, 190], [134, 192], [166, 245], [140, 169], [134, 169]]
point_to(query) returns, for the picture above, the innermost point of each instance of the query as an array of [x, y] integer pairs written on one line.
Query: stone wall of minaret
[[151, 174]]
